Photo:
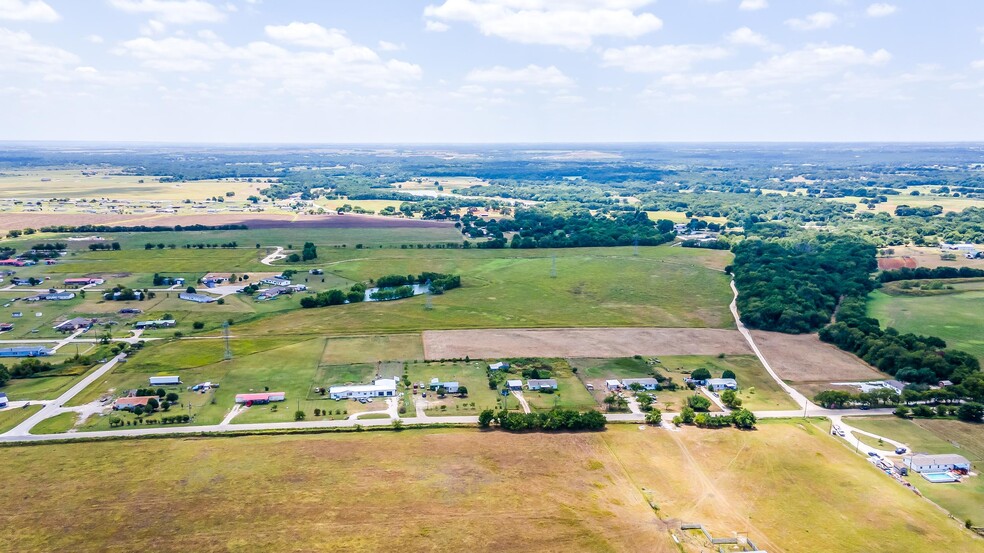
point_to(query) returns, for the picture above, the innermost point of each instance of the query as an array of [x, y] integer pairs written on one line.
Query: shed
[[498, 366], [261, 397], [613, 384], [164, 380], [541, 384], [514, 384]]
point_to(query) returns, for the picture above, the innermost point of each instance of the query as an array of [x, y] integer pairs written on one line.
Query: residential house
[[612, 385], [933, 463], [646, 383], [382, 387], [718, 384], [276, 281], [25, 351], [160, 323], [260, 398], [499, 366], [272, 292], [197, 298], [514, 385], [72, 325], [129, 403], [449, 387], [541, 384]]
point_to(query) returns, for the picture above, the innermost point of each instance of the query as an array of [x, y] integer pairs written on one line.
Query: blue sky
[[491, 70]]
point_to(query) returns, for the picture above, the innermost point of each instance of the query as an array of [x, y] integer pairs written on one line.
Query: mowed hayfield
[[955, 317], [462, 489], [71, 183], [597, 287], [966, 499], [948, 203]]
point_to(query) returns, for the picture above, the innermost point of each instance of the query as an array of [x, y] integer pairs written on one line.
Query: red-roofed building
[[260, 398], [128, 403]]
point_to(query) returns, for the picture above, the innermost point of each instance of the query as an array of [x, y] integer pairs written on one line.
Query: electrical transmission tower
[[228, 348], [635, 245], [428, 302], [553, 267]]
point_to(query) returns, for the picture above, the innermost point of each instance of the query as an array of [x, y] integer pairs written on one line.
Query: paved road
[[55, 407]]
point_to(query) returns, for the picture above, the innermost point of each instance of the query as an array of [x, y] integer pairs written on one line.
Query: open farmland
[[591, 493], [924, 256], [103, 183], [581, 342], [954, 315], [809, 364]]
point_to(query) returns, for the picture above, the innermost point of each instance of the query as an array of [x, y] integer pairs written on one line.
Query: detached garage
[[260, 398]]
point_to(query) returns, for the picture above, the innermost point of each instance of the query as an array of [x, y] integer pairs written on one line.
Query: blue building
[[25, 351]]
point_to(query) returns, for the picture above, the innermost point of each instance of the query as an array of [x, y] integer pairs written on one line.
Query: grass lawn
[[668, 287], [964, 500], [56, 424], [369, 349], [592, 493], [571, 393], [954, 317], [26, 389], [10, 418], [471, 375]]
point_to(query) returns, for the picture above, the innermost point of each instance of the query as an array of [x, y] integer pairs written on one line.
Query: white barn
[[383, 387]]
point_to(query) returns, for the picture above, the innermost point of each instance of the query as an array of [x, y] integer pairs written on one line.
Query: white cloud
[[386, 46], [670, 58], [95, 39], [28, 10], [752, 5], [813, 22], [173, 11], [296, 71], [570, 23], [532, 75], [308, 34], [805, 65], [881, 9], [435, 26], [22, 53], [977, 64], [744, 36]]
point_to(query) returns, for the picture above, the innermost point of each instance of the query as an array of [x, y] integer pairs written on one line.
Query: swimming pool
[[939, 477]]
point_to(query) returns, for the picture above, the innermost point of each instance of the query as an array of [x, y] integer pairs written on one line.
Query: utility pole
[[228, 347], [635, 245], [553, 267]]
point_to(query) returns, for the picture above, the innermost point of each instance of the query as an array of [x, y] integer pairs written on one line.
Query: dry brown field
[[804, 358], [581, 342]]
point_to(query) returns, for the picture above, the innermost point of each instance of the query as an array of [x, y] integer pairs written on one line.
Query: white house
[[383, 387], [541, 384], [646, 383], [612, 385], [718, 384], [276, 281], [450, 387], [931, 463], [197, 298], [498, 366]]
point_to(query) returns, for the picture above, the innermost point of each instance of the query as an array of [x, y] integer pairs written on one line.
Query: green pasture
[[955, 317], [9, 418]]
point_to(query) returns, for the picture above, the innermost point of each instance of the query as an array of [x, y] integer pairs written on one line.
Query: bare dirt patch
[[581, 342], [804, 358], [889, 263]]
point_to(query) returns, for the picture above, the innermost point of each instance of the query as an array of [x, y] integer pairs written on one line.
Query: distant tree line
[[536, 228], [139, 228], [115, 246], [794, 288], [925, 273]]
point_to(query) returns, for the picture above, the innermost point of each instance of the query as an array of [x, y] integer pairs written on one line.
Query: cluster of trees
[[742, 418], [707, 244], [115, 246], [556, 419], [27, 368], [51, 247], [122, 293], [909, 211], [540, 229], [794, 288], [176, 419], [7, 252], [308, 252], [909, 357], [334, 296], [926, 273], [138, 228], [387, 294], [967, 412]]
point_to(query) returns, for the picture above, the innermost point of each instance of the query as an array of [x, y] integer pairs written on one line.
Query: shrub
[[198, 325]]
